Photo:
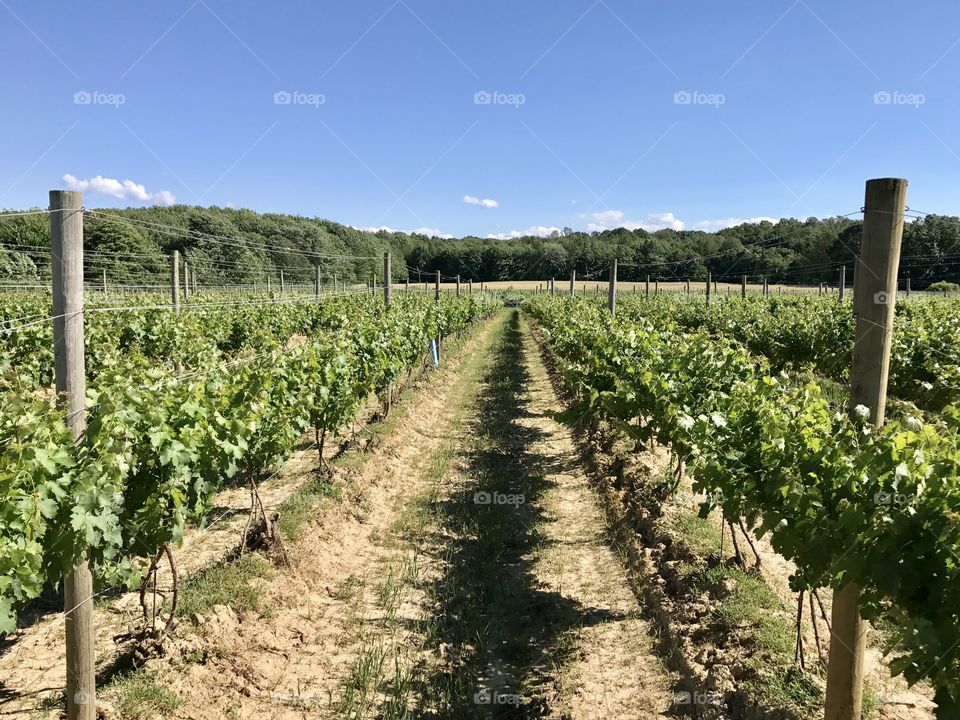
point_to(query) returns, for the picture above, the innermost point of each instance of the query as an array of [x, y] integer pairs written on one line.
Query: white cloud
[[485, 202], [609, 219], [126, 190], [536, 230], [433, 232], [715, 225]]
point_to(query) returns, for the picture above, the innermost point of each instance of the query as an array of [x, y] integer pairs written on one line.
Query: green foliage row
[[843, 501], [164, 433], [817, 332]]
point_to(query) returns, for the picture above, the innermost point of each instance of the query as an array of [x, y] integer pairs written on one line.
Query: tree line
[[229, 246]]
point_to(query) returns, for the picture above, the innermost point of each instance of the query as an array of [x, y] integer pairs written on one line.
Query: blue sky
[[483, 118]]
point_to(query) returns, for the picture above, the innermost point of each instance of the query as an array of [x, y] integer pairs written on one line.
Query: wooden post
[[316, 283], [908, 287], [283, 285], [387, 280], [66, 265], [656, 287], [406, 285], [766, 287], [458, 286], [186, 280], [269, 284], [743, 286], [874, 293], [843, 281], [573, 282], [175, 281], [334, 282], [612, 291], [708, 287], [647, 291], [688, 286], [470, 286], [104, 280], [437, 284]]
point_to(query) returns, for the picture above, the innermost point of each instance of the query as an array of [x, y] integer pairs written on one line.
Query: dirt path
[[517, 607], [613, 672]]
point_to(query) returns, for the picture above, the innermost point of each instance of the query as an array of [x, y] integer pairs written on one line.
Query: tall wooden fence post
[[573, 282], [843, 281], [316, 283], [437, 285], [175, 281], [458, 286], [186, 280], [708, 287], [66, 248], [104, 280], [647, 289], [874, 293], [387, 280], [283, 284], [612, 290]]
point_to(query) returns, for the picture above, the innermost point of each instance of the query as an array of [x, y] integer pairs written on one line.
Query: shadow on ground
[[500, 634]]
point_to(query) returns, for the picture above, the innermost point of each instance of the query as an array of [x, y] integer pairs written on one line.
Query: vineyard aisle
[[466, 568]]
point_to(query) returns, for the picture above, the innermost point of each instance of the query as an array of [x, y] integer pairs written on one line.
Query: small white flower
[[718, 420], [927, 385], [686, 422], [902, 471], [862, 411], [913, 423], [779, 443]]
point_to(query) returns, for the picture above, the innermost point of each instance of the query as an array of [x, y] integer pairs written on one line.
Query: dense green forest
[[227, 246]]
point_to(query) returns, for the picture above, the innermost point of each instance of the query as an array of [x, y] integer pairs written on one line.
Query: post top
[[66, 198]]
